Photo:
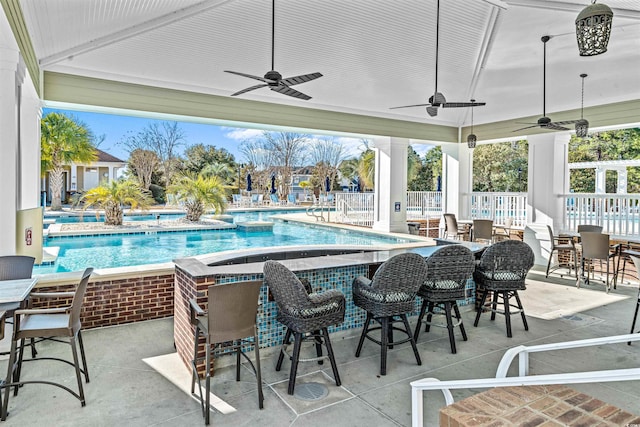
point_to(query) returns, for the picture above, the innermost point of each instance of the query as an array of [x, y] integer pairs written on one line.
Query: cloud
[[239, 134]]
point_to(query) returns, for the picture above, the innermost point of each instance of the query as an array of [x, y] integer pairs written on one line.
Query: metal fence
[[354, 208]]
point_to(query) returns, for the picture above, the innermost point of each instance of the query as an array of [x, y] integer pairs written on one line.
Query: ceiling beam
[[118, 36], [569, 7]]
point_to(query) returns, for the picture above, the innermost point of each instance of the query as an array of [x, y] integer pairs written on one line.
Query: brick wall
[[118, 301]]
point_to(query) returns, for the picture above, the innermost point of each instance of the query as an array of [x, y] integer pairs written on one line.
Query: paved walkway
[[125, 391]]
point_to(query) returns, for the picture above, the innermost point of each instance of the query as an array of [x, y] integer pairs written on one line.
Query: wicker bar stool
[[448, 270], [387, 298], [502, 270], [305, 316]]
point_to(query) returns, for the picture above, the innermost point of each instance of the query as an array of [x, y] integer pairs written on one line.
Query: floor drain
[[311, 391]]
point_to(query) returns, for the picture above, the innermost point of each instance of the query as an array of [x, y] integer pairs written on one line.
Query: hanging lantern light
[[593, 28], [582, 125], [472, 139]]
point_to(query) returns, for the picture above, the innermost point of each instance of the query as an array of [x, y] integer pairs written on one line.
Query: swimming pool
[[77, 253]]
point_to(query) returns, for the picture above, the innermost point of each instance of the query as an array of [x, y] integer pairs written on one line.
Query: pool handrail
[[501, 379]]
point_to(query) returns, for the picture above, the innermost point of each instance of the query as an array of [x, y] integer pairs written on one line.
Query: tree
[[366, 169], [620, 144], [63, 140], [142, 164], [199, 156], [326, 154], [349, 169], [112, 196], [163, 139], [274, 152], [199, 193], [501, 167]]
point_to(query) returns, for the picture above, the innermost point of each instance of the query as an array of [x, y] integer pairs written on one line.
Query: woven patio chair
[[448, 270], [53, 324], [628, 250], [13, 267], [556, 246], [636, 261], [387, 298], [502, 270], [306, 315], [229, 321], [452, 229]]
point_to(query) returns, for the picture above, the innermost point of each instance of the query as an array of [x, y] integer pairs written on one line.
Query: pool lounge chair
[[275, 200], [257, 200], [237, 200], [291, 199]]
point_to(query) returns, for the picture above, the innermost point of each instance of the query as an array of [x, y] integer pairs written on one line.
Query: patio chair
[[228, 322], [53, 324], [387, 298], [502, 231], [482, 230], [556, 247], [237, 200], [582, 228], [595, 246], [306, 315], [636, 262], [502, 270], [291, 199], [627, 251], [451, 228], [275, 200], [448, 270], [14, 267]]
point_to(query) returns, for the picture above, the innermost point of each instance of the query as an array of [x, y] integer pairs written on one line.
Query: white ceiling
[[373, 54]]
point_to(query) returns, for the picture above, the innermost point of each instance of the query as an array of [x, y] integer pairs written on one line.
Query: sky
[[115, 129]]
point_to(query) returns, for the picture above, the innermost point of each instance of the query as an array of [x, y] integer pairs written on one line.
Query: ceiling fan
[[438, 99], [273, 79], [545, 122]]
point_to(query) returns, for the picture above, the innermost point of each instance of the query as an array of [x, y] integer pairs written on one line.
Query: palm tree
[[366, 168], [199, 193], [63, 141], [112, 196]]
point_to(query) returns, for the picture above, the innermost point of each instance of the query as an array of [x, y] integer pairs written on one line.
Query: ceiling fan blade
[[286, 90], [290, 81], [408, 106], [554, 126], [262, 79], [462, 104], [565, 122], [432, 111], [528, 127], [240, 92]]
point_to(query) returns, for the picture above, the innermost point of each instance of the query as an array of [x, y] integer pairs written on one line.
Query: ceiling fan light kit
[[593, 28], [582, 125], [472, 138]]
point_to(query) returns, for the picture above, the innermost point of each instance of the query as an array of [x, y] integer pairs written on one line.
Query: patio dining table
[[16, 290]]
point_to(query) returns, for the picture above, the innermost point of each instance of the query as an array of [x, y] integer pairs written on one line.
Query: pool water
[[78, 253]]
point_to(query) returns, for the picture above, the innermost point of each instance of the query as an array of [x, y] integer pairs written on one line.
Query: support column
[[390, 210], [457, 185], [601, 180], [621, 187], [9, 166], [548, 179], [30, 117]]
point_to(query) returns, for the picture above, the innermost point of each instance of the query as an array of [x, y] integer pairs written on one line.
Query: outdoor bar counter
[[336, 270]]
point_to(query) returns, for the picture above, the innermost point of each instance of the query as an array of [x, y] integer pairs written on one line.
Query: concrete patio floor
[[125, 391]]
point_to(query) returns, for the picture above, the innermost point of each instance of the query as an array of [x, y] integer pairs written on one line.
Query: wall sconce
[[593, 28]]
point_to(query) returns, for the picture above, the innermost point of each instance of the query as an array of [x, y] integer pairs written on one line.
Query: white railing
[[424, 204], [499, 207], [354, 208], [501, 379], [618, 214]]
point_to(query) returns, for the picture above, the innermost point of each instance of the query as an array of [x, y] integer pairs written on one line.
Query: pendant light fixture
[[593, 28], [582, 125], [472, 138]]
